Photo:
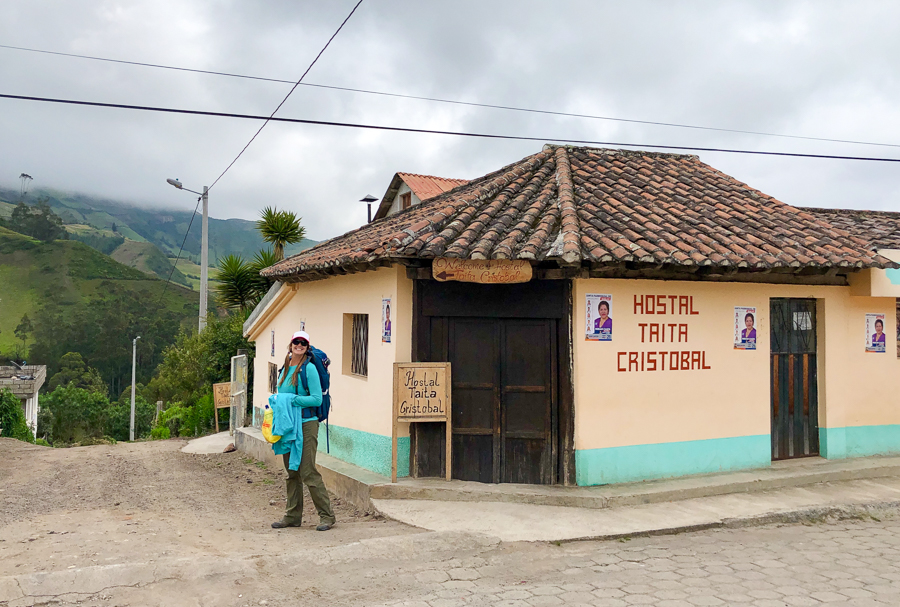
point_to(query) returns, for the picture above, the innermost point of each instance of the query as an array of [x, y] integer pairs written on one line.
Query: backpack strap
[[302, 371]]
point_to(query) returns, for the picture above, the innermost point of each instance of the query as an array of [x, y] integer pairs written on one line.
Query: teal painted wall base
[[859, 441], [366, 450], [663, 460]]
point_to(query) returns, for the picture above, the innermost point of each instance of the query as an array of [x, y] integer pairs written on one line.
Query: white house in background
[[25, 383], [408, 189]]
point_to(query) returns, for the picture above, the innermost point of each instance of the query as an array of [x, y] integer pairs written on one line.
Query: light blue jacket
[[291, 407]]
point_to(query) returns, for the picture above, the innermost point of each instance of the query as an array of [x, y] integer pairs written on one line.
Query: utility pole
[[204, 258], [204, 248], [133, 366]]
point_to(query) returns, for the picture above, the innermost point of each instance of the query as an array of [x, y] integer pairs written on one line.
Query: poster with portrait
[[598, 317], [744, 328], [876, 339], [386, 320]]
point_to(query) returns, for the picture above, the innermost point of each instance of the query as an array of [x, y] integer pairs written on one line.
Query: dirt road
[[116, 505]]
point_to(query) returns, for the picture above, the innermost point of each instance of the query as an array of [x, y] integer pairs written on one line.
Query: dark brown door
[[504, 395], [794, 402]]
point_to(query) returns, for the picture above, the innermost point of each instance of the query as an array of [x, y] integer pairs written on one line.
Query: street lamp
[[204, 247], [133, 365], [369, 199]]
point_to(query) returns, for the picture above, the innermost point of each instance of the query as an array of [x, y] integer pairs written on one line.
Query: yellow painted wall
[[358, 403], [731, 399]]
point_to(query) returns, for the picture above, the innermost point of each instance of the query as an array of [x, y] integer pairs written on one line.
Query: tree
[[24, 329], [280, 228], [196, 361], [236, 283], [73, 371], [37, 221], [12, 418], [70, 414], [240, 286]]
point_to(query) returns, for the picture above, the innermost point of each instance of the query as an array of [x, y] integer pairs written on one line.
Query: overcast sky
[[817, 68]]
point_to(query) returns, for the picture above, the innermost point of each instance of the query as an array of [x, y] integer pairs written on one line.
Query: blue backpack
[[321, 361]]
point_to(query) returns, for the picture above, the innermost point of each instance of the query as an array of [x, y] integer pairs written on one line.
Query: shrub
[[160, 433], [42, 442], [12, 418]]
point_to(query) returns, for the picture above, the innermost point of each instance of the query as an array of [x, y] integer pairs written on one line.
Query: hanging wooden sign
[[421, 394], [482, 271]]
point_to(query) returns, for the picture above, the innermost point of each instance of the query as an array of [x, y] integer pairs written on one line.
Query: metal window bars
[[359, 361]]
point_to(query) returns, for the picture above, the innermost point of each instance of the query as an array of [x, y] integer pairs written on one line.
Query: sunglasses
[[299, 341]]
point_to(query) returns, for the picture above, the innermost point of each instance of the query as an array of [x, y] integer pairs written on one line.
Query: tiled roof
[[880, 229], [598, 207], [424, 187], [429, 186]]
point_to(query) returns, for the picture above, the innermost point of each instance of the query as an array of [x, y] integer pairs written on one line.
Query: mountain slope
[[146, 257], [70, 273], [164, 228]]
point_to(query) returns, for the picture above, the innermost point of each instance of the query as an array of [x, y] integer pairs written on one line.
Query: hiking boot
[[283, 523], [323, 526]]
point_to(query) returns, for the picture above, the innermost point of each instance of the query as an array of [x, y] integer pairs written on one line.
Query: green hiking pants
[[307, 475]]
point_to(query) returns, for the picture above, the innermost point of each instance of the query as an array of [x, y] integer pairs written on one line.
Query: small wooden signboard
[[482, 271], [421, 394], [221, 399]]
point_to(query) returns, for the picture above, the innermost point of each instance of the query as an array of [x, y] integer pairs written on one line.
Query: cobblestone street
[[845, 563]]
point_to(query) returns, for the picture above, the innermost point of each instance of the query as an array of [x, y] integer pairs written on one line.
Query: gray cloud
[[808, 68]]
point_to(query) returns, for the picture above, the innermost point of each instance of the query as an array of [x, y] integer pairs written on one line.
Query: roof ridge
[[620, 151], [432, 176]]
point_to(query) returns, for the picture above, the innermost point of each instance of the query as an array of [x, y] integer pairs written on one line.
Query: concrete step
[[360, 486], [529, 522]]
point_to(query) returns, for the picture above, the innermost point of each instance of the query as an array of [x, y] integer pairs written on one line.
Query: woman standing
[[297, 361]]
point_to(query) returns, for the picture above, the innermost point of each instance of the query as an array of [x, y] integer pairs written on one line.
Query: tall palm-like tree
[[280, 228], [236, 283]]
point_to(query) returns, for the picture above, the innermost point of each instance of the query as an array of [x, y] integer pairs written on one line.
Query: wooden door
[[503, 399], [794, 397]]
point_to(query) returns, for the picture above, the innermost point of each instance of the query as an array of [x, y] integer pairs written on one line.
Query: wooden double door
[[511, 381], [504, 393]]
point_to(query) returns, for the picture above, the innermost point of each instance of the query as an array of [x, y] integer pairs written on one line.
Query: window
[[359, 346], [273, 378], [405, 200], [355, 350]]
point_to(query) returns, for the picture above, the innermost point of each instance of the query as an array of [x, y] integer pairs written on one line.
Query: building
[[25, 383], [745, 330], [409, 189]]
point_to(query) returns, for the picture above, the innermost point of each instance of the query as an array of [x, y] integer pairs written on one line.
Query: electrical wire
[[455, 102], [244, 149], [178, 257], [440, 132]]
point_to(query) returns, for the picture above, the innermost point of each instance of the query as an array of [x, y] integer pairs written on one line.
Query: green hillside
[[70, 273], [146, 257], [165, 228]]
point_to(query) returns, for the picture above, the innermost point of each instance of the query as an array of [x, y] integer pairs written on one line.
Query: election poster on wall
[[744, 328], [386, 320], [598, 318], [876, 340]]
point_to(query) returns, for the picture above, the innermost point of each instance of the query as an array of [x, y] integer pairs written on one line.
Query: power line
[[440, 132], [453, 101], [178, 257], [293, 88]]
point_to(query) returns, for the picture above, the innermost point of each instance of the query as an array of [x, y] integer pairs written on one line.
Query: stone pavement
[[528, 522], [853, 564]]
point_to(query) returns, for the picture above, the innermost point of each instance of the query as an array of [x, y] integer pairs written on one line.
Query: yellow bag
[[268, 418]]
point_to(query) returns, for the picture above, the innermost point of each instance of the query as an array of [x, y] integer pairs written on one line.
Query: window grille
[[359, 362], [273, 378]]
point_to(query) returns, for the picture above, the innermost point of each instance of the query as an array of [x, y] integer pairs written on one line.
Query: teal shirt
[[303, 399]]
